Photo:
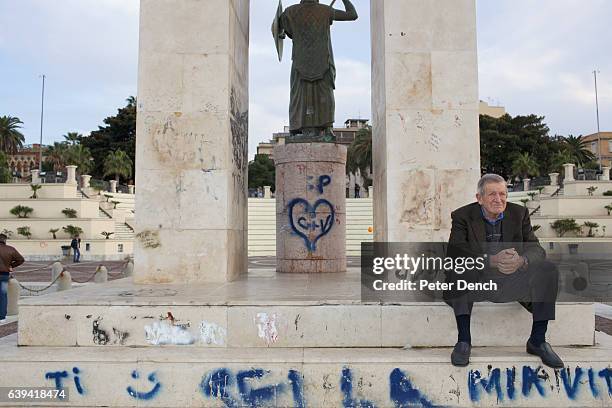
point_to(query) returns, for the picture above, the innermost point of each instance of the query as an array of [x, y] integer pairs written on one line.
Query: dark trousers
[[534, 288], [4, 278]]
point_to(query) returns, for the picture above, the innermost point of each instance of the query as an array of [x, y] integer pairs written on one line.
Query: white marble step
[[310, 377], [296, 311]]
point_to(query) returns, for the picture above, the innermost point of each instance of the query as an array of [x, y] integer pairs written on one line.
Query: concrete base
[[273, 310], [308, 377]]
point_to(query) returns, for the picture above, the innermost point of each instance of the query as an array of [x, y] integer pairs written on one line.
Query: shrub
[[54, 231], [608, 208], [25, 231], [607, 193], [69, 212], [565, 225], [591, 190], [532, 195], [525, 201], [107, 234], [590, 225], [21, 211], [7, 232], [72, 230], [115, 204], [536, 227], [35, 188]]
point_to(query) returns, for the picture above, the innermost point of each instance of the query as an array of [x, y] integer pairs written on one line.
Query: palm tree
[[80, 156], [11, 138], [360, 154], [73, 137], [558, 160], [118, 163], [578, 150], [524, 165], [56, 155]]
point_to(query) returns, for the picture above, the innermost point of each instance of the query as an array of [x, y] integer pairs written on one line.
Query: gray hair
[[489, 178]]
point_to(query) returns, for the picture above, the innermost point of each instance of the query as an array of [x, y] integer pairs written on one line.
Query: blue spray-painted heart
[[306, 224]]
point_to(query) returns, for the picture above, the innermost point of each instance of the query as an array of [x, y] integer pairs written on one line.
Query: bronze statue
[[313, 73]]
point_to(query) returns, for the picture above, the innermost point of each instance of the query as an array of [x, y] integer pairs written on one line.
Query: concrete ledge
[[271, 313], [298, 377]]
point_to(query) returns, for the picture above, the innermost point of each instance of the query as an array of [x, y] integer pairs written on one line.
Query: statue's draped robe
[[313, 73]]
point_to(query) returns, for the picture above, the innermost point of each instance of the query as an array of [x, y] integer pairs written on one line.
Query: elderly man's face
[[494, 199]]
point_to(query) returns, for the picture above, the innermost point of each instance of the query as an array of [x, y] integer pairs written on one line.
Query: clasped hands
[[507, 261]]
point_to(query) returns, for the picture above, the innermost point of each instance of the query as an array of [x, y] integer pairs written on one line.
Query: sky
[[534, 57]]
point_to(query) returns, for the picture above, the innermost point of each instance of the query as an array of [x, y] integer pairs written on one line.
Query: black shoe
[[460, 356], [546, 353]]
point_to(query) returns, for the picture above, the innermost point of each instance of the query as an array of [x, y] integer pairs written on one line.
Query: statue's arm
[[349, 15]]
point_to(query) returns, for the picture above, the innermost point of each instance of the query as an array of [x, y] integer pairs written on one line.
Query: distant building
[[26, 159], [344, 135], [493, 111], [603, 141]]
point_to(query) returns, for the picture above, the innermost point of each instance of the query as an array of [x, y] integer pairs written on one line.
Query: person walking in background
[[75, 244], [9, 259]]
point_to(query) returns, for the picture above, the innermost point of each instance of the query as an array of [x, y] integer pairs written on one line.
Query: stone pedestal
[[267, 192], [605, 173], [35, 176], [569, 171], [426, 155], [131, 189], [113, 186], [191, 145], [526, 184], [71, 175], [310, 207], [554, 179], [85, 180]]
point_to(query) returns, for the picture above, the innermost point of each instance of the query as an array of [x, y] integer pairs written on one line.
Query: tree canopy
[[262, 172], [11, 138], [359, 154], [119, 133]]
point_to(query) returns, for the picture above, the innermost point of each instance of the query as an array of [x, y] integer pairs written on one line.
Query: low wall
[[546, 230], [91, 250], [39, 228], [567, 207], [579, 187], [51, 208], [23, 191]]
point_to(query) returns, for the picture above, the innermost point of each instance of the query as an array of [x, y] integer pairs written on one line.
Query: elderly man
[[9, 259], [502, 233]]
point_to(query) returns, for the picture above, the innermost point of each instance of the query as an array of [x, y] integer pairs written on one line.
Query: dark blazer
[[468, 234]]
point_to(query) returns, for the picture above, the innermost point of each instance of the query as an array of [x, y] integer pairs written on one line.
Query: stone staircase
[[293, 341], [123, 231]]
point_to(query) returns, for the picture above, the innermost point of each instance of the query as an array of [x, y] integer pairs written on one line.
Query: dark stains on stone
[[239, 122], [121, 336], [67, 316], [99, 336], [297, 319]]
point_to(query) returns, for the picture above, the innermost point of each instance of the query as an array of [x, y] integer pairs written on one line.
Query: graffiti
[[239, 123], [307, 225], [403, 393], [149, 239], [266, 327], [212, 333], [59, 376], [220, 384], [164, 332], [144, 395], [536, 379], [322, 182], [99, 336], [346, 387]]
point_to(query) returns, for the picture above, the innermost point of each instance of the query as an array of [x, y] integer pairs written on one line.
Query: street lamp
[[42, 113], [595, 72]]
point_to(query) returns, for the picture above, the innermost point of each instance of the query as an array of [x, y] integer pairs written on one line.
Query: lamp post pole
[[42, 114], [597, 111]]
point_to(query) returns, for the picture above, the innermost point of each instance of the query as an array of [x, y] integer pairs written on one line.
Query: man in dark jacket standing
[[501, 232], [9, 259], [75, 245]]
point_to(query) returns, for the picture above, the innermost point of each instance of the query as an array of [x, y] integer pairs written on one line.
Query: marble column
[[426, 152], [370, 191], [191, 145], [554, 179], [267, 192], [605, 173], [113, 186], [71, 175], [131, 189], [569, 171]]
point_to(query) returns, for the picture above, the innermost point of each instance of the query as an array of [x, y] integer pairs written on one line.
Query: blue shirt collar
[[497, 220]]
